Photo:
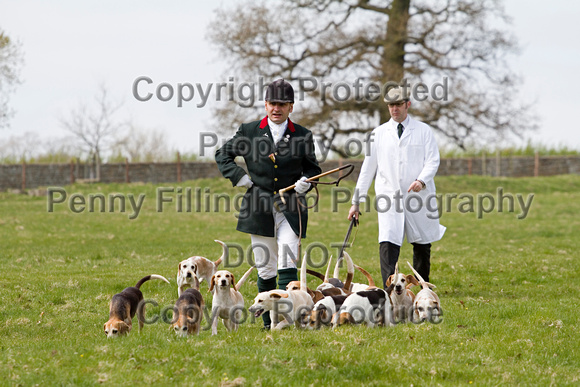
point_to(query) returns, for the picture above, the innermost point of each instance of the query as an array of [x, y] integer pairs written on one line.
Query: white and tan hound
[[193, 270], [228, 302]]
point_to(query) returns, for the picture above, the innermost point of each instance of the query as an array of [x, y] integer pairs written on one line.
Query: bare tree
[[10, 63], [462, 42], [20, 148], [143, 145], [96, 129]]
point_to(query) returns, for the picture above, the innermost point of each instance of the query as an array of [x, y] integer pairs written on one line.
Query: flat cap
[[397, 94]]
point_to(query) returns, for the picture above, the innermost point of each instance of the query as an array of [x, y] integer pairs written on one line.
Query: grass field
[[508, 286]]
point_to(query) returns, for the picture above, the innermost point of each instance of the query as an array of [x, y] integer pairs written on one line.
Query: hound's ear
[[412, 280], [233, 281], [179, 269], [124, 328], [389, 280], [275, 296], [212, 283]]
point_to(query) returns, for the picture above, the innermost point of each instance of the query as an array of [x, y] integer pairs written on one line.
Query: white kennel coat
[[394, 164]]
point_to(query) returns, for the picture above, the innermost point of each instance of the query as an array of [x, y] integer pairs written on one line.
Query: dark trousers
[[389, 255]]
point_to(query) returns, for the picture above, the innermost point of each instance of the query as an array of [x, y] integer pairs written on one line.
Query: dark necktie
[[400, 129]]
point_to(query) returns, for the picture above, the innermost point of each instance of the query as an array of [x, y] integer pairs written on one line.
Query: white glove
[[301, 186], [245, 181]]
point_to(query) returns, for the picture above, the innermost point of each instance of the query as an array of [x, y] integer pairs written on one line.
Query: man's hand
[[301, 186], [353, 212], [416, 186], [246, 182]]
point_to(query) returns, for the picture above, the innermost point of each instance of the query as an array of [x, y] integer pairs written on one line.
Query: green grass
[[509, 290]]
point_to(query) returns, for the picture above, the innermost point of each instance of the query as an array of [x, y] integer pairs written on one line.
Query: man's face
[[278, 112], [398, 110]]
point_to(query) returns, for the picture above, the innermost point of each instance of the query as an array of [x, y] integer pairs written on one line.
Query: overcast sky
[[71, 47]]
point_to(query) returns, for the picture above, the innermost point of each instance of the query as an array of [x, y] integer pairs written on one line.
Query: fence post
[[469, 166], [23, 175], [497, 163], [483, 165], [178, 167], [72, 171], [536, 164], [127, 180]]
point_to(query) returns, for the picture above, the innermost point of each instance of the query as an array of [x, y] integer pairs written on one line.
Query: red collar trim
[[264, 123]]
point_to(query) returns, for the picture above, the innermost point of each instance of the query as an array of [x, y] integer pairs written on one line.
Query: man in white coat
[[403, 159]]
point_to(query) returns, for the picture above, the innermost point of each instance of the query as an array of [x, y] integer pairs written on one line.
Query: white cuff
[[245, 181]]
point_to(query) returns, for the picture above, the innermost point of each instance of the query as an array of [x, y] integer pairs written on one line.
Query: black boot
[[264, 286], [389, 256]]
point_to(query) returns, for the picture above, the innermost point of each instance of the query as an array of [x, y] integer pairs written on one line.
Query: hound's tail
[[366, 274], [349, 273], [326, 278], [224, 253], [150, 277], [424, 284], [337, 268], [303, 283], [243, 279], [315, 273]]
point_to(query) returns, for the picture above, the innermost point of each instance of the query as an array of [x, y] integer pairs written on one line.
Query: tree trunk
[[393, 64]]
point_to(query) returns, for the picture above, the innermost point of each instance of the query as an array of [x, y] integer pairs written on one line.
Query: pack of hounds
[[332, 304]]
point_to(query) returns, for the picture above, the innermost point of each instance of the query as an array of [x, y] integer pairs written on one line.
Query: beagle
[[324, 311], [228, 302], [187, 313], [402, 297], [334, 286], [123, 307], [426, 305], [328, 299], [353, 287], [356, 287], [327, 288], [371, 306], [333, 281], [193, 270], [288, 306]]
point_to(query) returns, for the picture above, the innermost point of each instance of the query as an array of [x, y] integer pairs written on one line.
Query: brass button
[[275, 166], [275, 192], [275, 179]]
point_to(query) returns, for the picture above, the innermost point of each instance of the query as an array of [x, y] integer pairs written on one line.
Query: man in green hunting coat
[[278, 153]]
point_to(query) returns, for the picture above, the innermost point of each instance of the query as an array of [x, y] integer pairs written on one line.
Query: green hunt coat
[[271, 168]]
